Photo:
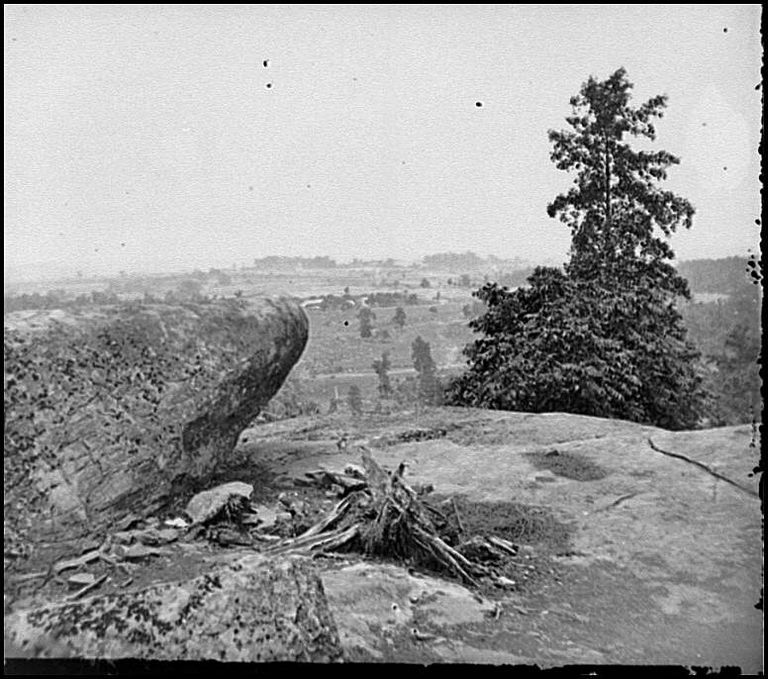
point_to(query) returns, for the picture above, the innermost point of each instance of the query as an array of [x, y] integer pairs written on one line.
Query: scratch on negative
[[707, 469]]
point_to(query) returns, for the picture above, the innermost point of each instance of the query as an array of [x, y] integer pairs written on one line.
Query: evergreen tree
[[604, 336], [615, 207]]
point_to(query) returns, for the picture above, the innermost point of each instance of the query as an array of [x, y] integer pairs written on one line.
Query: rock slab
[[209, 503], [249, 611], [118, 409]]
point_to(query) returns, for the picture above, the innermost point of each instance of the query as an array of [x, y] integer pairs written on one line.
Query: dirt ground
[[628, 555]]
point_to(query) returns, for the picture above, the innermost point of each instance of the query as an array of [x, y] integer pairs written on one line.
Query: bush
[[574, 346]]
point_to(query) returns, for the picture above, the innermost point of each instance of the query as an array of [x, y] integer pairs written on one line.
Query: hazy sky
[[145, 136]]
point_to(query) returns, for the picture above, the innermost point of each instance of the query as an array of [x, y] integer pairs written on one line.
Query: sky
[[146, 138]]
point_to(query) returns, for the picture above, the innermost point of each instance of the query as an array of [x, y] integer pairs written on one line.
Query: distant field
[[337, 357]]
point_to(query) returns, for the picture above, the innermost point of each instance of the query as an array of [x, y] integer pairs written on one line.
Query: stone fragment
[[138, 551], [79, 580], [177, 522], [267, 517], [207, 505]]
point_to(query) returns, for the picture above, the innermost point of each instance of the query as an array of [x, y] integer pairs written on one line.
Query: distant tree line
[[728, 333], [56, 299], [390, 299], [187, 291], [454, 261]]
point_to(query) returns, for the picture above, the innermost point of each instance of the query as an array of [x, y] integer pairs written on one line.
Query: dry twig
[[384, 516]]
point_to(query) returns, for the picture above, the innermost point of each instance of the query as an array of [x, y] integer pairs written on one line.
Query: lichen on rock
[[252, 610], [116, 409]]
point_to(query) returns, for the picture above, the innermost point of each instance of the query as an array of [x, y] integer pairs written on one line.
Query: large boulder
[[120, 409], [251, 610]]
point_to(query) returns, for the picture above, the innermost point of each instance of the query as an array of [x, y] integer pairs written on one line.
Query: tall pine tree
[[604, 336]]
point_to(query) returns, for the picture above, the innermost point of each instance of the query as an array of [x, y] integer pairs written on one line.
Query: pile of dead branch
[[381, 515]]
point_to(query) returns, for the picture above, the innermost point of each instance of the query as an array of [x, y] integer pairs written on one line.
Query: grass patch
[[568, 465], [516, 522]]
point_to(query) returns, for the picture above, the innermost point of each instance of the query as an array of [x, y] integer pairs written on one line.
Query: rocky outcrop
[[661, 562], [111, 410], [250, 611]]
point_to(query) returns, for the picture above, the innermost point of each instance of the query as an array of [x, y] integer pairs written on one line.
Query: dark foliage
[[514, 279], [579, 347], [390, 299]]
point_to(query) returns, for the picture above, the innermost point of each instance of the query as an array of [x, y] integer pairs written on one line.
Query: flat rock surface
[[665, 558]]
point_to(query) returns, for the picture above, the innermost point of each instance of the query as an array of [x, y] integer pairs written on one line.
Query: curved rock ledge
[[111, 410]]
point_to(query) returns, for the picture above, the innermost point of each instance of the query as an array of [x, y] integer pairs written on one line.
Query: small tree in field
[[429, 386], [399, 317], [381, 367], [355, 400], [604, 336], [366, 316]]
